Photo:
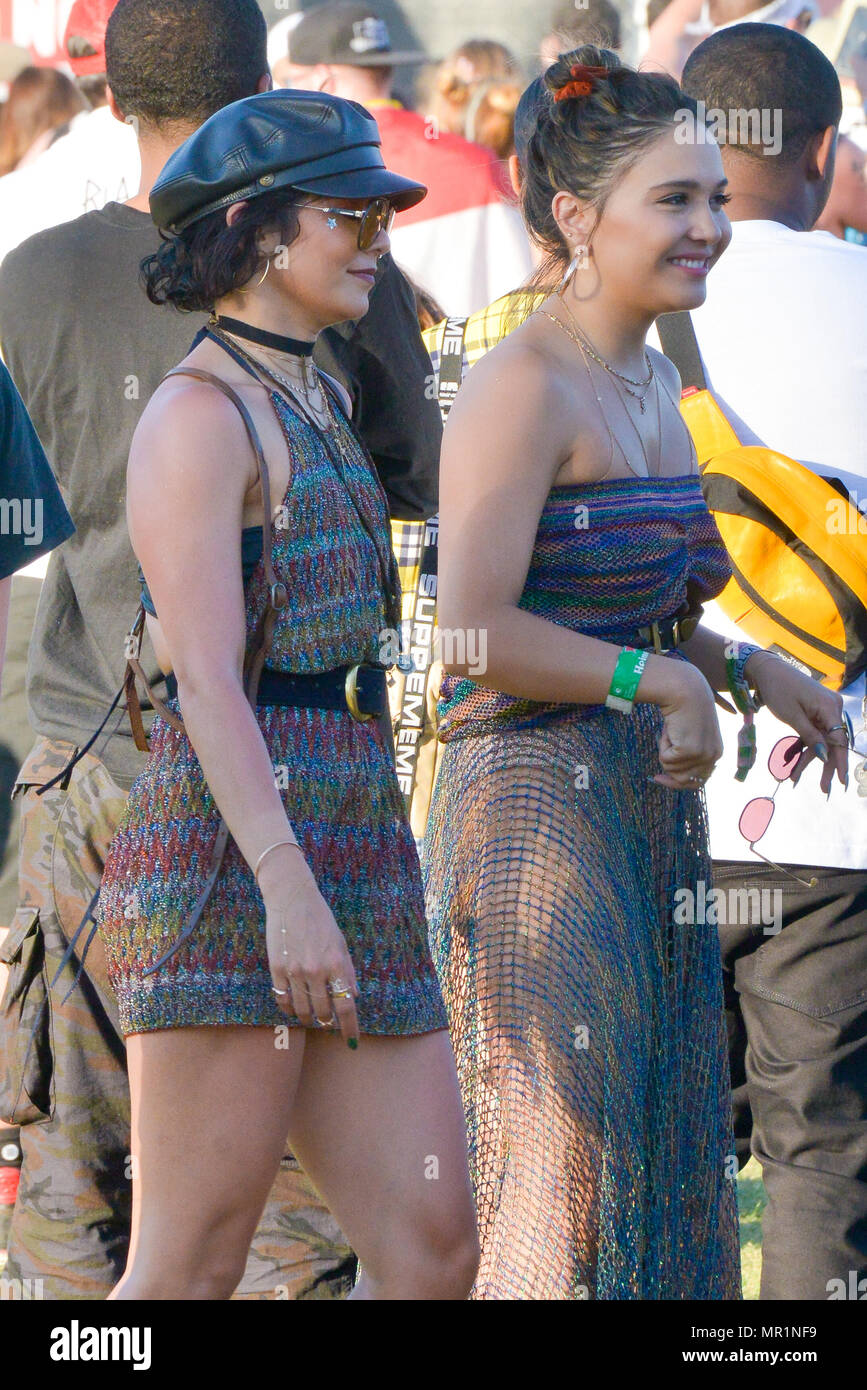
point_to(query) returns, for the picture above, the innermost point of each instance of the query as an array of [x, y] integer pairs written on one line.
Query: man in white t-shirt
[[95, 163], [782, 338]]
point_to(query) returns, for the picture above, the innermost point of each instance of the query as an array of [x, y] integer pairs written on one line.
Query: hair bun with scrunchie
[[584, 78]]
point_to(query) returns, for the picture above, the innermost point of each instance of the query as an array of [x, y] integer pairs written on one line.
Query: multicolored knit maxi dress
[[336, 777], [587, 1021]]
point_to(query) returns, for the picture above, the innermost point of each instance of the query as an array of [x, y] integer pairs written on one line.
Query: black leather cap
[[319, 143]]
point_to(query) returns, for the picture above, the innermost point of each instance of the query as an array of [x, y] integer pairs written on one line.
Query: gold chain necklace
[[309, 374], [580, 337], [611, 435], [297, 390], [658, 434]]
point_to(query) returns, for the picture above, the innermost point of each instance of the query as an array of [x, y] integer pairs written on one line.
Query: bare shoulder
[[514, 420], [186, 424], [520, 375]]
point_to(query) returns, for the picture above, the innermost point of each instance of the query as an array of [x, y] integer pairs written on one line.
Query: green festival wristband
[[624, 683]]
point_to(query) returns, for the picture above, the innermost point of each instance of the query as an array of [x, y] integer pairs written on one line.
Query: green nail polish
[[352, 1042], [822, 752]]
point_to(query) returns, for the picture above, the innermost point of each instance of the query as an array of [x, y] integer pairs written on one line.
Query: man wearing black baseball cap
[[467, 243], [349, 34], [87, 351]]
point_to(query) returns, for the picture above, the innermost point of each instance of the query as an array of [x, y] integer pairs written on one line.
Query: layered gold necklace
[[581, 338], [618, 375]]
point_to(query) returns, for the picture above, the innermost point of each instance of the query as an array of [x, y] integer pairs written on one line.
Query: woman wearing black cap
[[261, 905]]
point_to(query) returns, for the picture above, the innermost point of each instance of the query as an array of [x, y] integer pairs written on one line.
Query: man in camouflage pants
[[86, 375], [74, 1203]]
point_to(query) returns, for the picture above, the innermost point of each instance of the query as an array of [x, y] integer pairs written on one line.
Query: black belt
[[664, 636], [360, 689]]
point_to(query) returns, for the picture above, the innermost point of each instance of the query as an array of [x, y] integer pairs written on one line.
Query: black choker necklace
[[297, 346]]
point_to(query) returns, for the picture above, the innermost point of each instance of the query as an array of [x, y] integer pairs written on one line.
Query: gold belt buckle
[[678, 635], [351, 689]]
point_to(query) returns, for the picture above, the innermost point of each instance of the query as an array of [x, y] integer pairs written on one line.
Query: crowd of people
[[434, 705]]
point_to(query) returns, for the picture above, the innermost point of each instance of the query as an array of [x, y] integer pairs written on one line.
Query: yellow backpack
[[797, 544]]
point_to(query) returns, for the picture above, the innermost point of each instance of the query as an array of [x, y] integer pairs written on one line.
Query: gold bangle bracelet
[[276, 845]]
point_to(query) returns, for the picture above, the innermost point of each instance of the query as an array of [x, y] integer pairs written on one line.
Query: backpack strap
[[451, 366], [450, 375], [679, 343], [135, 672]]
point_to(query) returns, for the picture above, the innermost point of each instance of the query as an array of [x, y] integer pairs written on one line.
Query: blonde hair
[[474, 88]]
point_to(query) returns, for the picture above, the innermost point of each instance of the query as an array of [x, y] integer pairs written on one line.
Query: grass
[[751, 1205]]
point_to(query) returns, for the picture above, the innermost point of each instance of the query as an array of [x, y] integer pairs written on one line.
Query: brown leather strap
[[277, 596], [134, 672], [133, 705], [260, 643], [258, 649], [253, 435]]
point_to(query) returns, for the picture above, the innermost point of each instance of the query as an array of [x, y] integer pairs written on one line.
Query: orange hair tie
[[584, 78]]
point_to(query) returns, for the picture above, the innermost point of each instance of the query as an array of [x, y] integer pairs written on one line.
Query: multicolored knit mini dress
[[336, 777]]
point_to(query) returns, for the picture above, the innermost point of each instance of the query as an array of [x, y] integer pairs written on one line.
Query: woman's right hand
[[306, 948], [690, 745]]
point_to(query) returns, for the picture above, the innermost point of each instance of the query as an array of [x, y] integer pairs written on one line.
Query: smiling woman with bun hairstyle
[[567, 828]]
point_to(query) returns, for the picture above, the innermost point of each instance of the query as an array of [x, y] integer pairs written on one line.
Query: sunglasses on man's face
[[375, 218]]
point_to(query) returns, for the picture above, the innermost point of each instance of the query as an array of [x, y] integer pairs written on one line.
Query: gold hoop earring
[[258, 282], [568, 274], [581, 254]]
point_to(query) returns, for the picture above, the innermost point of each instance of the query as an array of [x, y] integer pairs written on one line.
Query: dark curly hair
[[585, 144], [182, 60], [210, 259]]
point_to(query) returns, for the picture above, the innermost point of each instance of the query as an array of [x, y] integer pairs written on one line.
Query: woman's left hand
[[810, 709]]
